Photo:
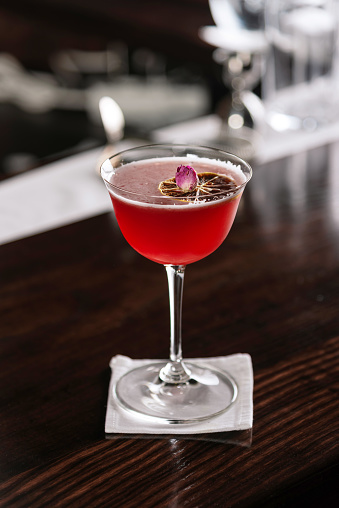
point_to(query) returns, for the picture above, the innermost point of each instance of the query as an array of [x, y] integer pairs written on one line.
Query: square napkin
[[238, 417]]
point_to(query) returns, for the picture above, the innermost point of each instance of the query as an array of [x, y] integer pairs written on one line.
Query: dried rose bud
[[186, 178]]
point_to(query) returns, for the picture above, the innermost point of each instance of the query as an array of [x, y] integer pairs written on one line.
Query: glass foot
[[207, 393]]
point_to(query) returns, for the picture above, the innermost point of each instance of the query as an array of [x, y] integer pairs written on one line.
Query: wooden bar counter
[[75, 296]]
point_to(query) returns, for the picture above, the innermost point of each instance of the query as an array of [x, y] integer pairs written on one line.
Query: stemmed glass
[[175, 226], [241, 48]]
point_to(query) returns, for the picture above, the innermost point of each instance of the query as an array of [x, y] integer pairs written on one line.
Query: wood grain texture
[[72, 298]]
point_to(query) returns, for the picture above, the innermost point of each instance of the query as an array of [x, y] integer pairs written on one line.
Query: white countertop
[[54, 195]]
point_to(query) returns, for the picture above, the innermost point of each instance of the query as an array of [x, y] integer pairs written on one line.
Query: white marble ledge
[[51, 196]]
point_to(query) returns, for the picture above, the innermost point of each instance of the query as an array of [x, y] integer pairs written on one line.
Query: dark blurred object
[[72, 66], [27, 140], [31, 30]]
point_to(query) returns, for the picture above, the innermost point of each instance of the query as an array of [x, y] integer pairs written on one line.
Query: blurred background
[[57, 57], [164, 63]]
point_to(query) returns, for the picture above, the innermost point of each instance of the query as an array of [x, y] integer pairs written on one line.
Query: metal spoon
[[112, 118], [114, 123]]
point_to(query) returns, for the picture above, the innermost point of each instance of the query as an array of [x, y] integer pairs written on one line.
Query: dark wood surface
[[74, 297]]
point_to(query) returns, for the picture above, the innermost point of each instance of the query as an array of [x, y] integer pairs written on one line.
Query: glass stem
[[175, 370]]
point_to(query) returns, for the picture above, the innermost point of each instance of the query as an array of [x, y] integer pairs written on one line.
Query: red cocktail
[[165, 230], [175, 224]]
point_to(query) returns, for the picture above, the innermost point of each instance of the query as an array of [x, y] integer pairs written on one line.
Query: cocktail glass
[[174, 231]]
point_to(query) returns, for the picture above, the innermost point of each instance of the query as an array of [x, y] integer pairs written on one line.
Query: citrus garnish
[[209, 186]]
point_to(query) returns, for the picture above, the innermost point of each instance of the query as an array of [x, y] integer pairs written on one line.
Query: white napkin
[[238, 417]]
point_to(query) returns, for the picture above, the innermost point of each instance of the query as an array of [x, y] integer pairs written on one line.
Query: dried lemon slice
[[209, 187]]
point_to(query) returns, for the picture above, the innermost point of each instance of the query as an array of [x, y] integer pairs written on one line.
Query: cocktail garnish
[[209, 187], [186, 178]]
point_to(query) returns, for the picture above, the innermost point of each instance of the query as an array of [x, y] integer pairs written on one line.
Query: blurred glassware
[[148, 101], [78, 68], [241, 50], [34, 92], [299, 85]]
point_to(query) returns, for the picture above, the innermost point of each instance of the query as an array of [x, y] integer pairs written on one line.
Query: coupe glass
[[174, 232]]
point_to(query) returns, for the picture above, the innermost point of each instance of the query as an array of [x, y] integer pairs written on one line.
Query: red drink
[[167, 230], [175, 204]]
